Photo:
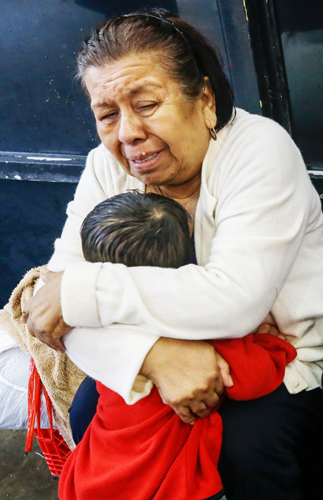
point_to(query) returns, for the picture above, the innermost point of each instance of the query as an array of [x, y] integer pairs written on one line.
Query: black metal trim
[[46, 167], [269, 61]]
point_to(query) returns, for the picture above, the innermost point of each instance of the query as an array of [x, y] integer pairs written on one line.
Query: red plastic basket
[[53, 446]]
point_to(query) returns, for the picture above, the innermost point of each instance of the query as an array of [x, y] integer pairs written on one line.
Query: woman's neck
[[179, 192], [186, 194]]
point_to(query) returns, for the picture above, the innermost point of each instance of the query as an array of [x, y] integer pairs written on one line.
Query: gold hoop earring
[[213, 133]]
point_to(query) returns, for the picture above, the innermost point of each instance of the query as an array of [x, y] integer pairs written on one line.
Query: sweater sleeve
[[257, 364], [264, 198], [96, 185], [112, 355]]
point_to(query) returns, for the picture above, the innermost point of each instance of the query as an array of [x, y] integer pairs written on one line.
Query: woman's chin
[[153, 176], [150, 178]]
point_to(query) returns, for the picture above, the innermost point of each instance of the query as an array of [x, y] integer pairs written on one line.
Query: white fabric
[[259, 246], [14, 375], [110, 354], [6, 342]]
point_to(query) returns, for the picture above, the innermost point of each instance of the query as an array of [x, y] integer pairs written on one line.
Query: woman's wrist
[[153, 358], [165, 353]]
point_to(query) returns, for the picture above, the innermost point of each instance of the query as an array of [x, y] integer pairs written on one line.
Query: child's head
[[137, 229]]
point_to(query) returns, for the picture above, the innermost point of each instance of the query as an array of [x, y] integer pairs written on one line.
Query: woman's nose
[[131, 128]]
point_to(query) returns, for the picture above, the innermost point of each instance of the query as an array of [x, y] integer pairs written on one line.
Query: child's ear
[[208, 105]]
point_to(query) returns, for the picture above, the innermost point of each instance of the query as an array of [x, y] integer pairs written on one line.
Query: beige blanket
[[57, 372]]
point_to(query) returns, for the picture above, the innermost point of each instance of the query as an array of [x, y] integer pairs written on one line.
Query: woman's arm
[[188, 374], [263, 208], [262, 212], [114, 355], [264, 203]]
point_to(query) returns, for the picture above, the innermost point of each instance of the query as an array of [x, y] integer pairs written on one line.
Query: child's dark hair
[[137, 229]]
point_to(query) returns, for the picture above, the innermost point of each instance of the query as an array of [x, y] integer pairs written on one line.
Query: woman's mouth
[[146, 158], [145, 162]]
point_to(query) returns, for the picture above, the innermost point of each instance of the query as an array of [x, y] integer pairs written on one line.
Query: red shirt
[[145, 452]]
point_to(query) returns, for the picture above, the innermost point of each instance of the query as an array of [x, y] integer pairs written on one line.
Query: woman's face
[[156, 133]]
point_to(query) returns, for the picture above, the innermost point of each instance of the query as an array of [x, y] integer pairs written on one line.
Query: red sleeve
[[257, 363]]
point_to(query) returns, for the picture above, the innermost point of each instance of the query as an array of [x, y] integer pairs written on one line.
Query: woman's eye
[[147, 108], [108, 116]]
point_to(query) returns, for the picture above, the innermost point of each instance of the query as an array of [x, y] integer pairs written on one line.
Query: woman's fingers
[[43, 315], [268, 328], [185, 414], [188, 375], [189, 411], [211, 399], [200, 409], [56, 344], [225, 376]]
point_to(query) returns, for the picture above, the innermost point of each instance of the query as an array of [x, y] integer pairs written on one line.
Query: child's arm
[[257, 363]]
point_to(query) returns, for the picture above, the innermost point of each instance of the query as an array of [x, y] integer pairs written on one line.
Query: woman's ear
[[208, 105]]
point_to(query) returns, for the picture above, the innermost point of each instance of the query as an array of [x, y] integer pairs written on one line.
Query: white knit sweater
[[259, 246]]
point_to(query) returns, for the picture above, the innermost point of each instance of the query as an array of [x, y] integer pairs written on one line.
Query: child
[[144, 451]]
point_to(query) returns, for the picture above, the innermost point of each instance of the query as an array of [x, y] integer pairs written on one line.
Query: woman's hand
[[272, 330], [190, 376], [43, 313]]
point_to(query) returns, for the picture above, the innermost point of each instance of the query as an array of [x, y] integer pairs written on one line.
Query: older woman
[[164, 113]]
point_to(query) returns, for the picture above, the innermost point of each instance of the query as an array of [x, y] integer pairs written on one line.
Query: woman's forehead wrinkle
[[124, 79], [123, 92], [143, 87]]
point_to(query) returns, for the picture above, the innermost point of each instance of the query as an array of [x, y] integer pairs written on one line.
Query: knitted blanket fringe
[[59, 375]]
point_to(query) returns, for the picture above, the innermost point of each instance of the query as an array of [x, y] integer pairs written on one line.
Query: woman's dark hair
[[184, 52], [137, 229]]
